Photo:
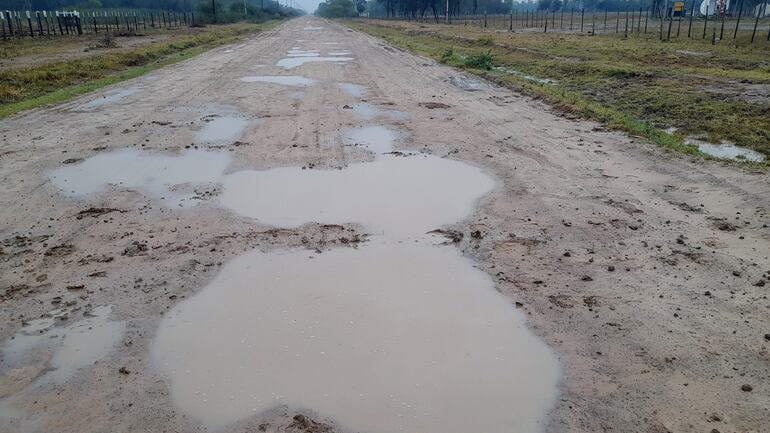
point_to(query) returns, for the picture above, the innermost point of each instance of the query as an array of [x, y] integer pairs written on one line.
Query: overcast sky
[[308, 5]]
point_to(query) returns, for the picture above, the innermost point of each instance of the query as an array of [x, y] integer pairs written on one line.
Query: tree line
[[458, 8], [221, 11]]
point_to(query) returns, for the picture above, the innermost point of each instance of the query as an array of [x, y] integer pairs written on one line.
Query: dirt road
[[135, 221]]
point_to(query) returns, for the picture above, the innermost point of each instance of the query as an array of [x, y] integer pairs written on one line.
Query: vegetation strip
[[30, 87], [636, 85]]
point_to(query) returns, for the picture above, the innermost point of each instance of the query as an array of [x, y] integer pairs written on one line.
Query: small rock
[[586, 278], [747, 388], [123, 370], [611, 268]]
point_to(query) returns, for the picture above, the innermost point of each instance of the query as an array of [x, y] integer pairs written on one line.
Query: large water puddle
[[400, 334], [394, 195], [286, 80], [222, 130], [293, 62], [171, 179], [395, 336]]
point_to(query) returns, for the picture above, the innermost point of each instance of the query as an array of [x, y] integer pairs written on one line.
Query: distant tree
[[336, 9], [360, 6]]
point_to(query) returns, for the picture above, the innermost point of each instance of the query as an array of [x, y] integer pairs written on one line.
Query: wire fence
[[32, 24], [742, 26]]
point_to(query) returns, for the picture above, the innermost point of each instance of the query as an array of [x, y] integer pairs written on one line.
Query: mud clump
[[135, 249], [433, 105], [453, 236], [304, 423], [94, 212], [60, 250]]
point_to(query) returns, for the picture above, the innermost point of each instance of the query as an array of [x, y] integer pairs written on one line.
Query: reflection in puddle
[[160, 176], [465, 83], [378, 139], [74, 347], [726, 151], [393, 194], [396, 335], [293, 62], [388, 337], [111, 98], [340, 53], [366, 111], [222, 130], [288, 80], [354, 90], [303, 53]]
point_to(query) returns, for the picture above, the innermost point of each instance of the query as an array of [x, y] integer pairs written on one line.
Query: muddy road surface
[[315, 231]]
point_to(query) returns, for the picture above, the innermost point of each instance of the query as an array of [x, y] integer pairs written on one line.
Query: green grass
[[639, 84], [30, 87]]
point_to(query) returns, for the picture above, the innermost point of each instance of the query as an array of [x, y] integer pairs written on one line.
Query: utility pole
[[245, 11], [446, 17], [214, 9]]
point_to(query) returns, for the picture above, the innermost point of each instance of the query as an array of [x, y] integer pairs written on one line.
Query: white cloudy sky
[[308, 5]]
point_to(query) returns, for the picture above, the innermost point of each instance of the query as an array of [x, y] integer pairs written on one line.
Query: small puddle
[[726, 151], [293, 62], [520, 74], [466, 84], [368, 111], [287, 80], [171, 178], [302, 53], [222, 130], [340, 53], [377, 139], [74, 347], [313, 28], [354, 90], [110, 98]]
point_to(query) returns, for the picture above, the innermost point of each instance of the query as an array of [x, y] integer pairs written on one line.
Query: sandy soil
[[645, 271]]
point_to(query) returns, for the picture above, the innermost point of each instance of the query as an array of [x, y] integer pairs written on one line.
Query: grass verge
[[634, 84], [30, 87]]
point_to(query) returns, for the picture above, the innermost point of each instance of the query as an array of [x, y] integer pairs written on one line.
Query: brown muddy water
[[170, 179], [401, 334], [222, 130], [392, 336]]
